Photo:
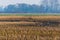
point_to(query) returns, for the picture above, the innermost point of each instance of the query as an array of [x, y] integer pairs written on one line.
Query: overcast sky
[[7, 2]]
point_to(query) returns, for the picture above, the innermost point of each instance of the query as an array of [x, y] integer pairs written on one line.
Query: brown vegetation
[[29, 27]]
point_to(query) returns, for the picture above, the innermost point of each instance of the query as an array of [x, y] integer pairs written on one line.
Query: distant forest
[[27, 8]]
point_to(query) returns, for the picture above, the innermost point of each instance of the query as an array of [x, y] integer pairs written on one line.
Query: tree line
[[26, 8]]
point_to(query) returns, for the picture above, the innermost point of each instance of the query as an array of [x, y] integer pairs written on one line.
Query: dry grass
[[27, 28]]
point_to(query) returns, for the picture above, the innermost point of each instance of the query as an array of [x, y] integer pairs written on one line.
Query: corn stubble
[[29, 28]]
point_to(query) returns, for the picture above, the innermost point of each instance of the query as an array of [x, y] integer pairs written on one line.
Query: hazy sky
[[7, 2]]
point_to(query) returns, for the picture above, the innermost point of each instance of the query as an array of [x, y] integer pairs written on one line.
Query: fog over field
[[7, 2], [37, 2]]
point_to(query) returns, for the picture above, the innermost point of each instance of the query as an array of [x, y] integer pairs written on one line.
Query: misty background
[[29, 6]]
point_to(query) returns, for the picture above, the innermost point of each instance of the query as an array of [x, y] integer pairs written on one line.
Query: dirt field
[[29, 27]]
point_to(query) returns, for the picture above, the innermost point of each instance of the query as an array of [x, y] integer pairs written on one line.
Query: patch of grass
[[29, 14]]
